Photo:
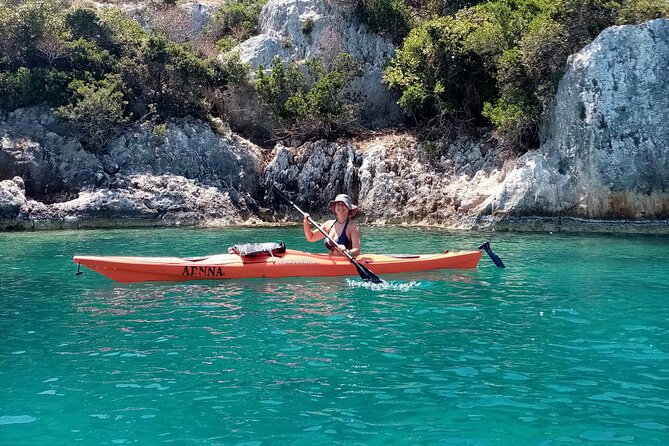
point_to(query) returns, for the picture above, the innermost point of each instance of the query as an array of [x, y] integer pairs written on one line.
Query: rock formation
[[603, 166], [606, 155], [186, 175]]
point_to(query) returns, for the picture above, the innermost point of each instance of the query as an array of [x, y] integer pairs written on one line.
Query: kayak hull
[[289, 264]]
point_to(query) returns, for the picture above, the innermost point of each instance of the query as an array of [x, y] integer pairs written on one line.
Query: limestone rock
[[186, 175], [166, 200], [318, 171], [12, 199], [189, 149], [200, 13], [388, 179], [606, 155], [51, 165]]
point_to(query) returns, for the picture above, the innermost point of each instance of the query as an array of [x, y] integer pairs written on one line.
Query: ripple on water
[[16, 419]]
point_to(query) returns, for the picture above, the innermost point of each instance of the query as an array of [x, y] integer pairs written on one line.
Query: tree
[[51, 48]]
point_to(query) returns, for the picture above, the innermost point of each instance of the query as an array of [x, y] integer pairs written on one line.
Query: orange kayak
[[291, 263]]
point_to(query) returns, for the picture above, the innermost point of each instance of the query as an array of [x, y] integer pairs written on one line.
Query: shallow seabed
[[568, 345]]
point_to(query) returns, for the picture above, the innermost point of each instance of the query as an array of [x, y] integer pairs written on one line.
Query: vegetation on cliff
[[500, 61], [459, 64], [99, 69], [311, 104]]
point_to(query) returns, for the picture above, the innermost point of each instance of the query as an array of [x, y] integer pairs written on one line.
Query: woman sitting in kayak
[[342, 229]]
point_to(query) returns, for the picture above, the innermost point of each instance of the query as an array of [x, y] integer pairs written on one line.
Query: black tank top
[[342, 240]]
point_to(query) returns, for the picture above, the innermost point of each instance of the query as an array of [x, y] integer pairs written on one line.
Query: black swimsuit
[[342, 240]]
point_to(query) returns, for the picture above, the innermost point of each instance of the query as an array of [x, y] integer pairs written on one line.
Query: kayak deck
[[292, 263]]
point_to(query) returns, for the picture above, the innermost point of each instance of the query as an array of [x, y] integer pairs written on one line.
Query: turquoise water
[[568, 345]]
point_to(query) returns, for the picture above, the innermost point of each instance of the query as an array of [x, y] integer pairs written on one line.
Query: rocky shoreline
[[512, 224], [603, 165]]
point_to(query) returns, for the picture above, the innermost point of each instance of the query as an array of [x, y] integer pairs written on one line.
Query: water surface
[[568, 345]]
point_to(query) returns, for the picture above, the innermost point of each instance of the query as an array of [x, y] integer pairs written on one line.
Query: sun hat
[[343, 198]]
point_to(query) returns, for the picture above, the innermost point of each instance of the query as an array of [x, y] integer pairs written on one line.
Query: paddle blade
[[280, 194], [366, 274], [494, 257]]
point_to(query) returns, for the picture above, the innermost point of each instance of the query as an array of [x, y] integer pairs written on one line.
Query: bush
[[17, 89], [392, 17], [235, 18], [23, 26], [314, 104], [85, 25], [281, 90], [639, 11], [173, 78], [97, 112], [437, 77]]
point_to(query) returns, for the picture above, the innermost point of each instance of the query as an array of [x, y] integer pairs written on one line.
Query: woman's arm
[[356, 240], [315, 235]]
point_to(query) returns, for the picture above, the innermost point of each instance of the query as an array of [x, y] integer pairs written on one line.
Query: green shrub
[[436, 76], [392, 17], [160, 130], [126, 34], [434, 8], [308, 26], [172, 77], [515, 121], [316, 103], [280, 89], [235, 18], [97, 111], [24, 25], [639, 11], [226, 43], [17, 89]]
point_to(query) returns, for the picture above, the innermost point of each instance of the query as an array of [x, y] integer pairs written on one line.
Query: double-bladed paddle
[[364, 272]]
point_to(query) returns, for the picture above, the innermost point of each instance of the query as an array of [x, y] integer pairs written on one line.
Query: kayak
[[290, 263]]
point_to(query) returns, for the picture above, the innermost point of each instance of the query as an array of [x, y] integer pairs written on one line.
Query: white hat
[[343, 198]]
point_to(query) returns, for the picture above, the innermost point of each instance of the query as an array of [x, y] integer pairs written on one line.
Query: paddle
[[364, 272], [494, 257]]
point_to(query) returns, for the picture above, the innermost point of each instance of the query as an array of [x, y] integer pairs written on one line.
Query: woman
[[342, 229]]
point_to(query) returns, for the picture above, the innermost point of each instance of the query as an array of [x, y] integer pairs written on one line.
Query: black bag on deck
[[258, 249]]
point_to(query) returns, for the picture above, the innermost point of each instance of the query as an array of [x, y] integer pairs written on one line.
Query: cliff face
[[609, 131], [605, 160], [607, 149], [186, 175]]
